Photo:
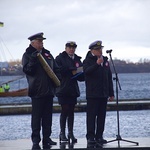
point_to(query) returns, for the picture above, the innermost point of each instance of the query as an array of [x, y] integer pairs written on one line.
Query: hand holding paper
[[79, 70]]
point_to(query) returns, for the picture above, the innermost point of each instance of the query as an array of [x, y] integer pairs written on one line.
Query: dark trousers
[[41, 117], [67, 114], [96, 113]]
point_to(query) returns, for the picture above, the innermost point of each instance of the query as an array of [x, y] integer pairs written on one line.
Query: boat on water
[[17, 93], [14, 93]]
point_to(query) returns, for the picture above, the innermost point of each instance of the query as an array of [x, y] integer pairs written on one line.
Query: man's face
[[97, 52], [38, 44], [70, 50]]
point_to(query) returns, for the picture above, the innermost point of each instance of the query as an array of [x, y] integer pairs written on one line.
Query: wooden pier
[[20, 109]]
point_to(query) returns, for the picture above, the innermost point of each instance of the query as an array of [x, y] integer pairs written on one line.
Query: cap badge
[[72, 43], [98, 43]]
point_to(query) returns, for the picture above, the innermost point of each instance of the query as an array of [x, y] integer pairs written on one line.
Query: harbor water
[[132, 123], [133, 86]]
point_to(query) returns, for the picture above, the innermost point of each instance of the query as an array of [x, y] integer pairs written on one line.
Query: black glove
[[34, 54]]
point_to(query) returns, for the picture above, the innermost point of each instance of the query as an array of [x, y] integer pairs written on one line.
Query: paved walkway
[[25, 144]]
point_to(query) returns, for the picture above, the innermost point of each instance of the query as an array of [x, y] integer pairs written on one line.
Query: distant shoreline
[[121, 66]]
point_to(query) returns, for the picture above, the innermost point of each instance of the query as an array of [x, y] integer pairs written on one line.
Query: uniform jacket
[[40, 84], [69, 85], [98, 78]]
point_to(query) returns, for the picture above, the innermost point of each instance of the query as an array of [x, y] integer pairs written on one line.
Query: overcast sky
[[122, 25]]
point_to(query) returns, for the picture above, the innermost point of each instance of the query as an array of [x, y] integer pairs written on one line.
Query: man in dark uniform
[[41, 90], [71, 72], [99, 88]]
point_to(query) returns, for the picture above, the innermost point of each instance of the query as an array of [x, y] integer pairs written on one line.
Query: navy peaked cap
[[71, 44], [38, 36], [96, 44]]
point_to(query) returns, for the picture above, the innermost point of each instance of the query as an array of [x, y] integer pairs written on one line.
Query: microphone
[[109, 51]]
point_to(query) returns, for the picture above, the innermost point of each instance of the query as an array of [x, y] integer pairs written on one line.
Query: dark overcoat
[[40, 84], [69, 85], [98, 78]]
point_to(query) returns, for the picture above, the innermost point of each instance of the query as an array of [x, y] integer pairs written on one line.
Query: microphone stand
[[118, 136]]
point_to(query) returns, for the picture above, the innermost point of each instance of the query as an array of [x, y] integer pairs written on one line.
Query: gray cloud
[[120, 24]]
